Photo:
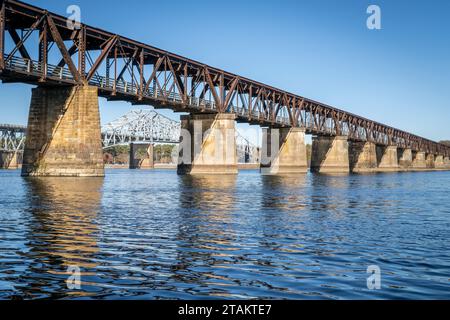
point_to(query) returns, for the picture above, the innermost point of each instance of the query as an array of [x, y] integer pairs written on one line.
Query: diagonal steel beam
[[230, 92], [155, 70], [108, 46], [127, 64], [62, 47], [72, 50], [213, 89], [177, 81], [2, 35], [19, 45]]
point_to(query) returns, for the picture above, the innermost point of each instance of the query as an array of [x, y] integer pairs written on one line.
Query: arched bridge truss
[[140, 126], [128, 70]]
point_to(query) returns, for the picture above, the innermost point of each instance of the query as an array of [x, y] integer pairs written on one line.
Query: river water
[[155, 235]]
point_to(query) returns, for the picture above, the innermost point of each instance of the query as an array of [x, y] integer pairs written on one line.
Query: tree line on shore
[[162, 153]]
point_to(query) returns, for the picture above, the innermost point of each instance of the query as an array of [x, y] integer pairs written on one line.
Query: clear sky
[[399, 75]]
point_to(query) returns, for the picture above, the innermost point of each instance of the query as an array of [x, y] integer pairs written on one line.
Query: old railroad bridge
[[72, 66]]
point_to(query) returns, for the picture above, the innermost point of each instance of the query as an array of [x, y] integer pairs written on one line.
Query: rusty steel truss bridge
[[39, 47]]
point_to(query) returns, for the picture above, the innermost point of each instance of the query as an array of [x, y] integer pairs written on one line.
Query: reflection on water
[[204, 193], [153, 234], [61, 230], [283, 192]]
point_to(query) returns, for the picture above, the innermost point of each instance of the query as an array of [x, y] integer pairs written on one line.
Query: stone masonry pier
[[283, 151], [430, 161], [10, 160], [405, 158], [363, 157], [208, 144], [388, 159], [141, 156], [63, 136], [330, 155], [419, 161]]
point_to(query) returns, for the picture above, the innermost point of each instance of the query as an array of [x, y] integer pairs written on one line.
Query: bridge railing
[[39, 70], [27, 66], [35, 67]]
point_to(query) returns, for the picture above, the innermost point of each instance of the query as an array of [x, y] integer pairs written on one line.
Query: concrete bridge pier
[[439, 162], [419, 161], [63, 135], [283, 151], [404, 158], [207, 144], [141, 156], [330, 155], [10, 160], [430, 161], [362, 157], [388, 159], [447, 163]]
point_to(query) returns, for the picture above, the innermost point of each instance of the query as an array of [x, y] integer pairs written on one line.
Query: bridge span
[[73, 66]]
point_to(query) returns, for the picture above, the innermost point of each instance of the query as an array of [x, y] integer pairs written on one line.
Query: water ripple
[[156, 235]]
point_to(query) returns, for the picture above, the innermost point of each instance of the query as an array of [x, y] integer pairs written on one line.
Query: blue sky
[[399, 75]]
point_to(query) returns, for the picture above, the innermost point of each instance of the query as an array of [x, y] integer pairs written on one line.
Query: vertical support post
[[185, 82], [82, 52], [107, 72], [250, 93], [2, 35], [141, 75], [222, 93], [115, 71], [43, 50]]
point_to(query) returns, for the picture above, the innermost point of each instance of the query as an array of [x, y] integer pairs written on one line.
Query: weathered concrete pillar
[[283, 151], [208, 144], [362, 157], [141, 156], [439, 162], [10, 160], [430, 161], [388, 160], [419, 162], [330, 154], [447, 162], [404, 158], [63, 135]]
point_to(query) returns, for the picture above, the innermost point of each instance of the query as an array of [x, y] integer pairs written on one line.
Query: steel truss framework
[[125, 69], [12, 138], [140, 126]]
